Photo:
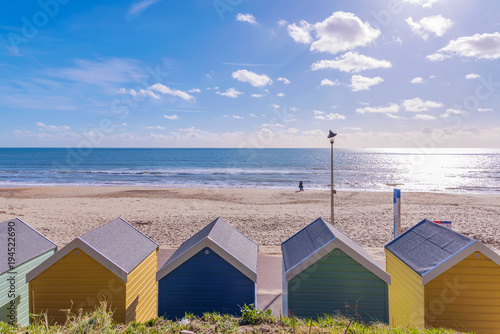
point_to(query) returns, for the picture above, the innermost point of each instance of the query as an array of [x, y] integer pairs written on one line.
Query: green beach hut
[[326, 272], [23, 249]]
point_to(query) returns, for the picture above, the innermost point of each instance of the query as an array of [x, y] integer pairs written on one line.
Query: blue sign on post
[[397, 213]]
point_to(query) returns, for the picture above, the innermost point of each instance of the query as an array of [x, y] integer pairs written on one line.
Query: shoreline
[[268, 216], [208, 187]]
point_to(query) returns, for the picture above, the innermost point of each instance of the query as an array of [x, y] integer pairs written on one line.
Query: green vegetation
[[251, 321]]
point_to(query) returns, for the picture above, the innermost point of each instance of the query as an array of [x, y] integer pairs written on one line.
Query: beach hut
[[114, 262], [22, 249], [441, 278], [213, 271], [326, 272]]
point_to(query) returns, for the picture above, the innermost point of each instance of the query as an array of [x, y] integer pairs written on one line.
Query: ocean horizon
[[364, 169]]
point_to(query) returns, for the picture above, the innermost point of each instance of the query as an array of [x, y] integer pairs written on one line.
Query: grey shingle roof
[[28, 243], [121, 243], [426, 245], [313, 237], [227, 237]]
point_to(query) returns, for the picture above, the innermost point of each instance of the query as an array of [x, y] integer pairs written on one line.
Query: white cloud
[[285, 80], [423, 3], [138, 93], [194, 90], [467, 136], [275, 106], [471, 76], [169, 91], [282, 23], [328, 82], [280, 94], [156, 128], [342, 31], [267, 125], [484, 109], [51, 128], [105, 72], [359, 82], [350, 128], [257, 95], [437, 57], [318, 112], [331, 117], [138, 7], [418, 105], [256, 80], [436, 24], [246, 18], [424, 117], [238, 117], [481, 46], [231, 92], [171, 117], [390, 109], [253, 115], [394, 116], [351, 62], [417, 80], [294, 109], [451, 112], [302, 33]]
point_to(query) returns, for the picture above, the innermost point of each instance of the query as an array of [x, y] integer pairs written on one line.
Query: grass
[[251, 321]]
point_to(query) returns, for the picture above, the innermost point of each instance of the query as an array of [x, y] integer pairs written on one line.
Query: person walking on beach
[[301, 186]]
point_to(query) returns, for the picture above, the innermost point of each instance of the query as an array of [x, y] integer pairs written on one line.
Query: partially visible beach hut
[[115, 263], [22, 249], [326, 272], [441, 278], [213, 271]]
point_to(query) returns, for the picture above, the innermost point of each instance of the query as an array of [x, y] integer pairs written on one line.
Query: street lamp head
[[331, 136]]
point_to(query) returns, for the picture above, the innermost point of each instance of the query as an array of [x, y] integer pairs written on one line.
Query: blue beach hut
[[213, 271], [326, 272], [22, 249]]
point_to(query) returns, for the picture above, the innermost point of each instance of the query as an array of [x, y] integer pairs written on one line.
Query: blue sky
[[235, 73]]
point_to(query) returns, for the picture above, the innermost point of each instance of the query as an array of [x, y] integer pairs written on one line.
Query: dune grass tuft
[[251, 321]]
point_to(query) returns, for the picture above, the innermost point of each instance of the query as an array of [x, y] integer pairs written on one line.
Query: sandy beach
[[171, 215]]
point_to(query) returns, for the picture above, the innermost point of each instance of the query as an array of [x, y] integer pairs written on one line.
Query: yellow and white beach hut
[[441, 278], [114, 262]]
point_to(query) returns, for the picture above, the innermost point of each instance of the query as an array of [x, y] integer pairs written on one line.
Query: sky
[[257, 74]]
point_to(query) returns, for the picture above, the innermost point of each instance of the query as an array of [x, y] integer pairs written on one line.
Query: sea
[[427, 170]]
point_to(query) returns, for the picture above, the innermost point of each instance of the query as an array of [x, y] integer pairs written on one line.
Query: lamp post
[[331, 136]]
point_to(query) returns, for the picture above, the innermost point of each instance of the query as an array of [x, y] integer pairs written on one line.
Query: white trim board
[[89, 250], [219, 250], [337, 243], [461, 255]]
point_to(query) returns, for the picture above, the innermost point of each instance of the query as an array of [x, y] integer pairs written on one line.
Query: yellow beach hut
[[441, 278], [115, 263]]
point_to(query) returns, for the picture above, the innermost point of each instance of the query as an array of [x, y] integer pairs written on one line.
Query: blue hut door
[[204, 283]]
